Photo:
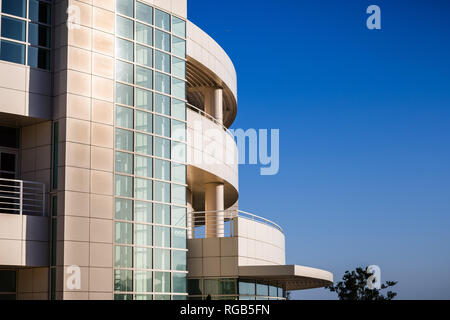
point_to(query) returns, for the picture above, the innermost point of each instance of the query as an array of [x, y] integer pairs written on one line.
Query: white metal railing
[[22, 197], [196, 222], [210, 117]]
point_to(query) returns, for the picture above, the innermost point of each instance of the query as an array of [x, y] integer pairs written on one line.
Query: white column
[[214, 206], [214, 102], [189, 219]]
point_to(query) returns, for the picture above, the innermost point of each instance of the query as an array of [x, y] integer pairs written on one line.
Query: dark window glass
[[14, 7], [195, 286], [7, 281], [39, 35], [13, 28], [39, 58], [39, 11], [8, 162], [12, 52], [9, 137]]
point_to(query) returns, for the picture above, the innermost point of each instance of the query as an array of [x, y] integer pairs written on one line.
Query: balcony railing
[[210, 117], [22, 197], [196, 222]]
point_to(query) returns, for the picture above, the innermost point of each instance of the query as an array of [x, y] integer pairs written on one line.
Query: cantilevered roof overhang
[[291, 277]]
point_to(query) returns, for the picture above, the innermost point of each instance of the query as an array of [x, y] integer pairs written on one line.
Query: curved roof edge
[[204, 49], [293, 277]]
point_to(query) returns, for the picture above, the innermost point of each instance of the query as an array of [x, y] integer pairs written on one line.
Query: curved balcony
[[212, 156], [208, 65]]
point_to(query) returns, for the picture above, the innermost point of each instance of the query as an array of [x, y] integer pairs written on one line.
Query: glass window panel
[[162, 40], [162, 169], [247, 288], [39, 58], [144, 55], [178, 260], [178, 130], [162, 213], [179, 282], [143, 234], [280, 292], [178, 27], [124, 27], [144, 99], [14, 7], [123, 162], [273, 291], [162, 104], [262, 289], [178, 238], [144, 121], [143, 144], [162, 282], [211, 286], [179, 47], [143, 211], [144, 33], [143, 189], [123, 209], [13, 28], [39, 11], [143, 297], [143, 166], [143, 258], [144, 77], [124, 94], [144, 12], [162, 148], [162, 126], [162, 83], [178, 151], [123, 297], [162, 61], [124, 140], [178, 67], [162, 20], [38, 35], [178, 194], [162, 236], [195, 287], [124, 49], [123, 280], [162, 191], [125, 7], [7, 281], [228, 286], [123, 186], [143, 282], [162, 259], [178, 216], [124, 117], [123, 257], [178, 88], [178, 109], [123, 232], [124, 72]]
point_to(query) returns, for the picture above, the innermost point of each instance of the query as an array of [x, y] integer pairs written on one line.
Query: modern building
[[118, 176]]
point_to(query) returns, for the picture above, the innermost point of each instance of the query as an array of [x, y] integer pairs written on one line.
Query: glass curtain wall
[[150, 154]]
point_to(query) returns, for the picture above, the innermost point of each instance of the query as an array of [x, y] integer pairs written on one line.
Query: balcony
[[212, 156], [23, 223]]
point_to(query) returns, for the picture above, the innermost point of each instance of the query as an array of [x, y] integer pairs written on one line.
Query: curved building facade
[[119, 177]]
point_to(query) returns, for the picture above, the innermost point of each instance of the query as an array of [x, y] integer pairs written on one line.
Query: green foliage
[[354, 287]]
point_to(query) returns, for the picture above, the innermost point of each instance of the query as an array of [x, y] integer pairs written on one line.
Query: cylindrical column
[[214, 102], [190, 222], [214, 206]]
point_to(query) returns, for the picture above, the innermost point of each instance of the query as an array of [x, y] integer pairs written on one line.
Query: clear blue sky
[[364, 119]]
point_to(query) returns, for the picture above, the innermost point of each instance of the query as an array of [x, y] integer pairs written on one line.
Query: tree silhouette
[[354, 287]]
